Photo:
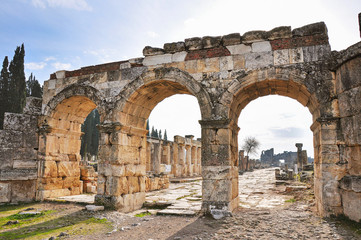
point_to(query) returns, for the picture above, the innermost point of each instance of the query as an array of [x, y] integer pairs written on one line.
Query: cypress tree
[[4, 90], [153, 132], [160, 134], [17, 86], [90, 139], [156, 133], [148, 134], [33, 88], [165, 135]]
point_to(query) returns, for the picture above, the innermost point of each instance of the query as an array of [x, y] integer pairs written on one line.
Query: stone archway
[[60, 140], [301, 86], [123, 146]]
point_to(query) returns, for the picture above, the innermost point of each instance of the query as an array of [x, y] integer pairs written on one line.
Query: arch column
[[121, 167], [219, 167]]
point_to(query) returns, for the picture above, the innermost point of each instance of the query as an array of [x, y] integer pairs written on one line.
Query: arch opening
[[138, 162], [60, 144]]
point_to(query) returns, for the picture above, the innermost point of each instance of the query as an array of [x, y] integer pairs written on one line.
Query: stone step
[[177, 212]]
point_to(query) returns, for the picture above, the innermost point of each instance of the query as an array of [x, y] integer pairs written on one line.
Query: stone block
[[239, 49], [130, 170], [140, 170], [258, 60], [68, 169], [142, 184], [151, 51], [217, 190], [238, 62], [71, 182], [18, 174], [5, 192], [216, 172], [139, 199], [94, 208], [157, 59], [263, 46], [174, 47], [23, 191], [296, 55], [20, 122], [128, 205], [351, 205], [193, 43], [316, 53], [311, 29], [211, 42], [281, 57], [6, 156], [231, 39], [226, 63], [133, 184], [118, 170], [179, 56], [33, 106], [51, 183], [351, 183], [254, 36], [20, 164], [11, 139], [348, 75], [280, 32], [348, 102], [352, 156]]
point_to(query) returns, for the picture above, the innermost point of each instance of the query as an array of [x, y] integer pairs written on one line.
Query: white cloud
[[50, 59], [152, 34], [61, 66], [35, 65], [80, 5]]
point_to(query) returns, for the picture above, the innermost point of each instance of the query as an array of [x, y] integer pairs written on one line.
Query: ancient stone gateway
[[224, 74]]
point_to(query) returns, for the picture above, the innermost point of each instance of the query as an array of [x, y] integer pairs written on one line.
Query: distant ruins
[[39, 149]]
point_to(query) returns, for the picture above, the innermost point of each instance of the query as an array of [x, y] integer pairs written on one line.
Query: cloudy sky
[[69, 34]]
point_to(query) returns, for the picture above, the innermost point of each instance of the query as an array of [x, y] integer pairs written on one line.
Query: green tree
[[33, 88], [17, 86], [4, 90], [148, 134], [160, 134], [165, 135], [250, 145], [90, 139]]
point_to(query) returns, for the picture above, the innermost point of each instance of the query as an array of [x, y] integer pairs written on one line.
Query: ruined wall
[[167, 159], [18, 154], [348, 89]]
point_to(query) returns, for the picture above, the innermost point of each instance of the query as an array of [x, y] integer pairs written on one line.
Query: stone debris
[[94, 208]]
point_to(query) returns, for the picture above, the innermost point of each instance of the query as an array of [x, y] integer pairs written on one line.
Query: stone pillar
[[156, 154], [327, 167], [199, 158], [121, 167], [299, 155], [219, 167], [241, 160], [175, 158], [187, 166]]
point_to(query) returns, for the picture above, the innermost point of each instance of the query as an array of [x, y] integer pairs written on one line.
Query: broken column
[[299, 155]]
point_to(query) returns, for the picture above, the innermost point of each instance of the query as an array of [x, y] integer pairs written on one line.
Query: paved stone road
[[264, 214]]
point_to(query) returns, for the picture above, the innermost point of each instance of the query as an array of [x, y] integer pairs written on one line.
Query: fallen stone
[[177, 212], [11, 223], [295, 188], [94, 208], [219, 214], [29, 213]]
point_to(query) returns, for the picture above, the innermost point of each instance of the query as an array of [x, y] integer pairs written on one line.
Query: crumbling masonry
[[224, 74]]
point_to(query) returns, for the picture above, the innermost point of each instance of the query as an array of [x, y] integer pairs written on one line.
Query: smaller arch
[[88, 93]]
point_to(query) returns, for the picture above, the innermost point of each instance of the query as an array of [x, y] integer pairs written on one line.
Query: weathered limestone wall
[[18, 154], [348, 90], [224, 73]]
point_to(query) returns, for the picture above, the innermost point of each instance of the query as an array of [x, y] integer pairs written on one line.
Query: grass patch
[[292, 200], [143, 214]]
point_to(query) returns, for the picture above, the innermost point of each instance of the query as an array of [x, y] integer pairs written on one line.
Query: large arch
[[298, 85], [122, 150], [60, 140]]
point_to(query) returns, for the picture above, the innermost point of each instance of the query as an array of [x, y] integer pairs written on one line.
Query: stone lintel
[[327, 120], [109, 127]]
